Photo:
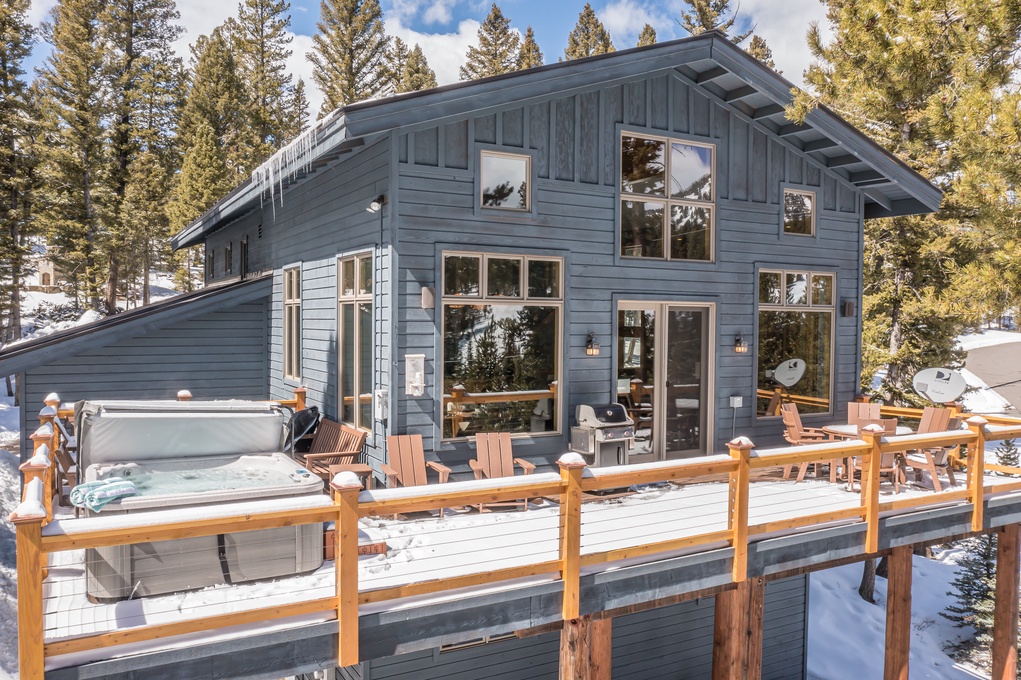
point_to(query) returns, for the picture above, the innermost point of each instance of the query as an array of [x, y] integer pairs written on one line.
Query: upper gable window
[[506, 181], [667, 198], [798, 212]]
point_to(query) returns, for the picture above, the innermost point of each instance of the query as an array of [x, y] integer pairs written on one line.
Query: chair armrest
[[442, 470], [391, 475], [525, 465], [476, 467], [317, 456], [813, 433]]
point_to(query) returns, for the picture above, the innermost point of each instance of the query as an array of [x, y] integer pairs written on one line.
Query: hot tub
[[176, 458]]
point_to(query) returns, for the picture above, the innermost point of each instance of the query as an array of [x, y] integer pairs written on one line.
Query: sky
[[445, 28]]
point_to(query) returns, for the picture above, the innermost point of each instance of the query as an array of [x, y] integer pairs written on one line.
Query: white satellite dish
[[789, 372], [939, 385]]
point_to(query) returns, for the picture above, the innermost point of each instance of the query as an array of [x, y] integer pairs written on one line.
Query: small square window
[[691, 172], [822, 290], [641, 228], [543, 279], [797, 289], [798, 212], [461, 275], [642, 166], [503, 277], [689, 232], [769, 288], [504, 180]]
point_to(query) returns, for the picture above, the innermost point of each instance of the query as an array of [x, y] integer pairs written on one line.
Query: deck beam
[[1005, 613], [898, 614], [737, 631]]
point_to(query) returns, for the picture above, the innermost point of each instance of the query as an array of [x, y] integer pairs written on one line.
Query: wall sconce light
[[377, 204], [740, 344], [591, 346]]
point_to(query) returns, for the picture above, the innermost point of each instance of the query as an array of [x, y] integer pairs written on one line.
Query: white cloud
[[200, 17], [40, 11], [445, 52], [783, 25], [300, 67], [624, 19], [439, 12]]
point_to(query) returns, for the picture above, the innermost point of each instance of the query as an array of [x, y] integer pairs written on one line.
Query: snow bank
[[9, 499], [981, 398], [987, 339]]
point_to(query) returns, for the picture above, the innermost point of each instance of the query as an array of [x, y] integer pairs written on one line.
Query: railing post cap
[[741, 443], [52, 399], [28, 511], [39, 461], [977, 420], [42, 432], [183, 394], [47, 412], [345, 481], [571, 460], [300, 389]]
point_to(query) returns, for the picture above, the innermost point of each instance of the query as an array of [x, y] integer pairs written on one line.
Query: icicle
[[298, 155]]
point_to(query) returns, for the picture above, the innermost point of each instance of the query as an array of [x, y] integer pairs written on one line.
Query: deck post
[[976, 469], [601, 646], [1005, 612], [299, 398], [873, 436], [576, 649], [571, 468], [30, 561], [737, 515], [898, 615], [345, 487], [737, 631]]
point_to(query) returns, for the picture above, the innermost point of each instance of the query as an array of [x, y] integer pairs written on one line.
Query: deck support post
[[871, 462], [737, 515], [601, 647], [1005, 613], [976, 469], [30, 561], [346, 487], [571, 468], [576, 649], [898, 614], [299, 398], [737, 631]]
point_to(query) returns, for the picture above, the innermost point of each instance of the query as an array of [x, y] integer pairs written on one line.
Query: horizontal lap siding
[[220, 355], [325, 217]]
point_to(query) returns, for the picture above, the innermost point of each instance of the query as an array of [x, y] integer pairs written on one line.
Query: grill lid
[[603, 415]]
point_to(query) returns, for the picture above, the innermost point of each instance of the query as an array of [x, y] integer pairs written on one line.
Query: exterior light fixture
[[591, 346], [377, 204], [740, 344]]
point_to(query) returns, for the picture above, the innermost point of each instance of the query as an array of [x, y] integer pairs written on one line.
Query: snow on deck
[[460, 543]]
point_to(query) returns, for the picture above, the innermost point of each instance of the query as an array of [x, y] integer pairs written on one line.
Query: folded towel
[[96, 495]]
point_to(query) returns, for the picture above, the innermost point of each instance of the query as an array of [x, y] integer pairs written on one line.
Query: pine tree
[[497, 52], [298, 118], [260, 41], [974, 587], [75, 167], [589, 37], [529, 56], [144, 208], [647, 36], [933, 92], [760, 50], [416, 74], [349, 52], [708, 15], [17, 161], [396, 59], [1006, 454]]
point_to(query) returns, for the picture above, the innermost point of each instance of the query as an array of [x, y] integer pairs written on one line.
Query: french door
[[664, 377]]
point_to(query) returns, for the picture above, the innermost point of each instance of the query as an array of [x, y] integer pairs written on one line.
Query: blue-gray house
[[644, 227]]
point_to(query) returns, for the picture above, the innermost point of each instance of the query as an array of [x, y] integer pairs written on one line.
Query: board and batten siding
[[219, 355], [573, 139], [669, 643], [323, 218]]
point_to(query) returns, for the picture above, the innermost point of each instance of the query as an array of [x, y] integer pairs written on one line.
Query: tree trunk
[[145, 275], [112, 281], [10, 386], [867, 588], [882, 569]]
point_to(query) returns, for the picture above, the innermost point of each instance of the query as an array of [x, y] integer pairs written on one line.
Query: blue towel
[[96, 495]]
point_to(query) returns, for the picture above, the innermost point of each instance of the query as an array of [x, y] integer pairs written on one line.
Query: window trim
[[784, 190], [444, 299], [356, 298], [830, 309], [292, 358], [665, 199]]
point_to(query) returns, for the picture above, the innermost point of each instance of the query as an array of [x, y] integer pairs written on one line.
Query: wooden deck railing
[[350, 504]]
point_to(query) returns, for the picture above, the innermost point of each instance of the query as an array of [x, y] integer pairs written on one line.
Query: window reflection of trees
[[802, 335]]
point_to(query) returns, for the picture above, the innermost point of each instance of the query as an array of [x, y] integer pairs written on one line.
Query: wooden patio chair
[[67, 473], [333, 444], [935, 459], [408, 464], [640, 408], [797, 434], [888, 465], [495, 458], [859, 412]]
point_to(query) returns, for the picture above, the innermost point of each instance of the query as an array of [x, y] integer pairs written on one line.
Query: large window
[[504, 181], [292, 323], [666, 198], [354, 314], [795, 340], [501, 343]]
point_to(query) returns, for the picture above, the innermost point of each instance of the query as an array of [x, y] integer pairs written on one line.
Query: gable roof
[[710, 61], [108, 330]]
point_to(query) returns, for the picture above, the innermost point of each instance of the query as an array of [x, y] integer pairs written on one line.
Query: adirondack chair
[[797, 434], [408, 464], [495, 458], [333, 444], [935, 459], [67, 473], [858, 412]]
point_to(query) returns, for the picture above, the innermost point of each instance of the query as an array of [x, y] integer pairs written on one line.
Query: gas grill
[[604, 433]]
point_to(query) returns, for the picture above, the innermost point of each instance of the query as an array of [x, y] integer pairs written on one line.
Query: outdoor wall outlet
[[414, 374], [381, 404], [736, 402]]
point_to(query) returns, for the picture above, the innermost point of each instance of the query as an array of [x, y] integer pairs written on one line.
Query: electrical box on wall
[[414, 374], [380, 404]]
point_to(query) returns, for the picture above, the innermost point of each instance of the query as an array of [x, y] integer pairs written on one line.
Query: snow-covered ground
[[9, 496], [987, 339]]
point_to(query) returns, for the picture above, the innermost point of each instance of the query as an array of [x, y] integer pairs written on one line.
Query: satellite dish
[[789, 372], [939, 385]]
